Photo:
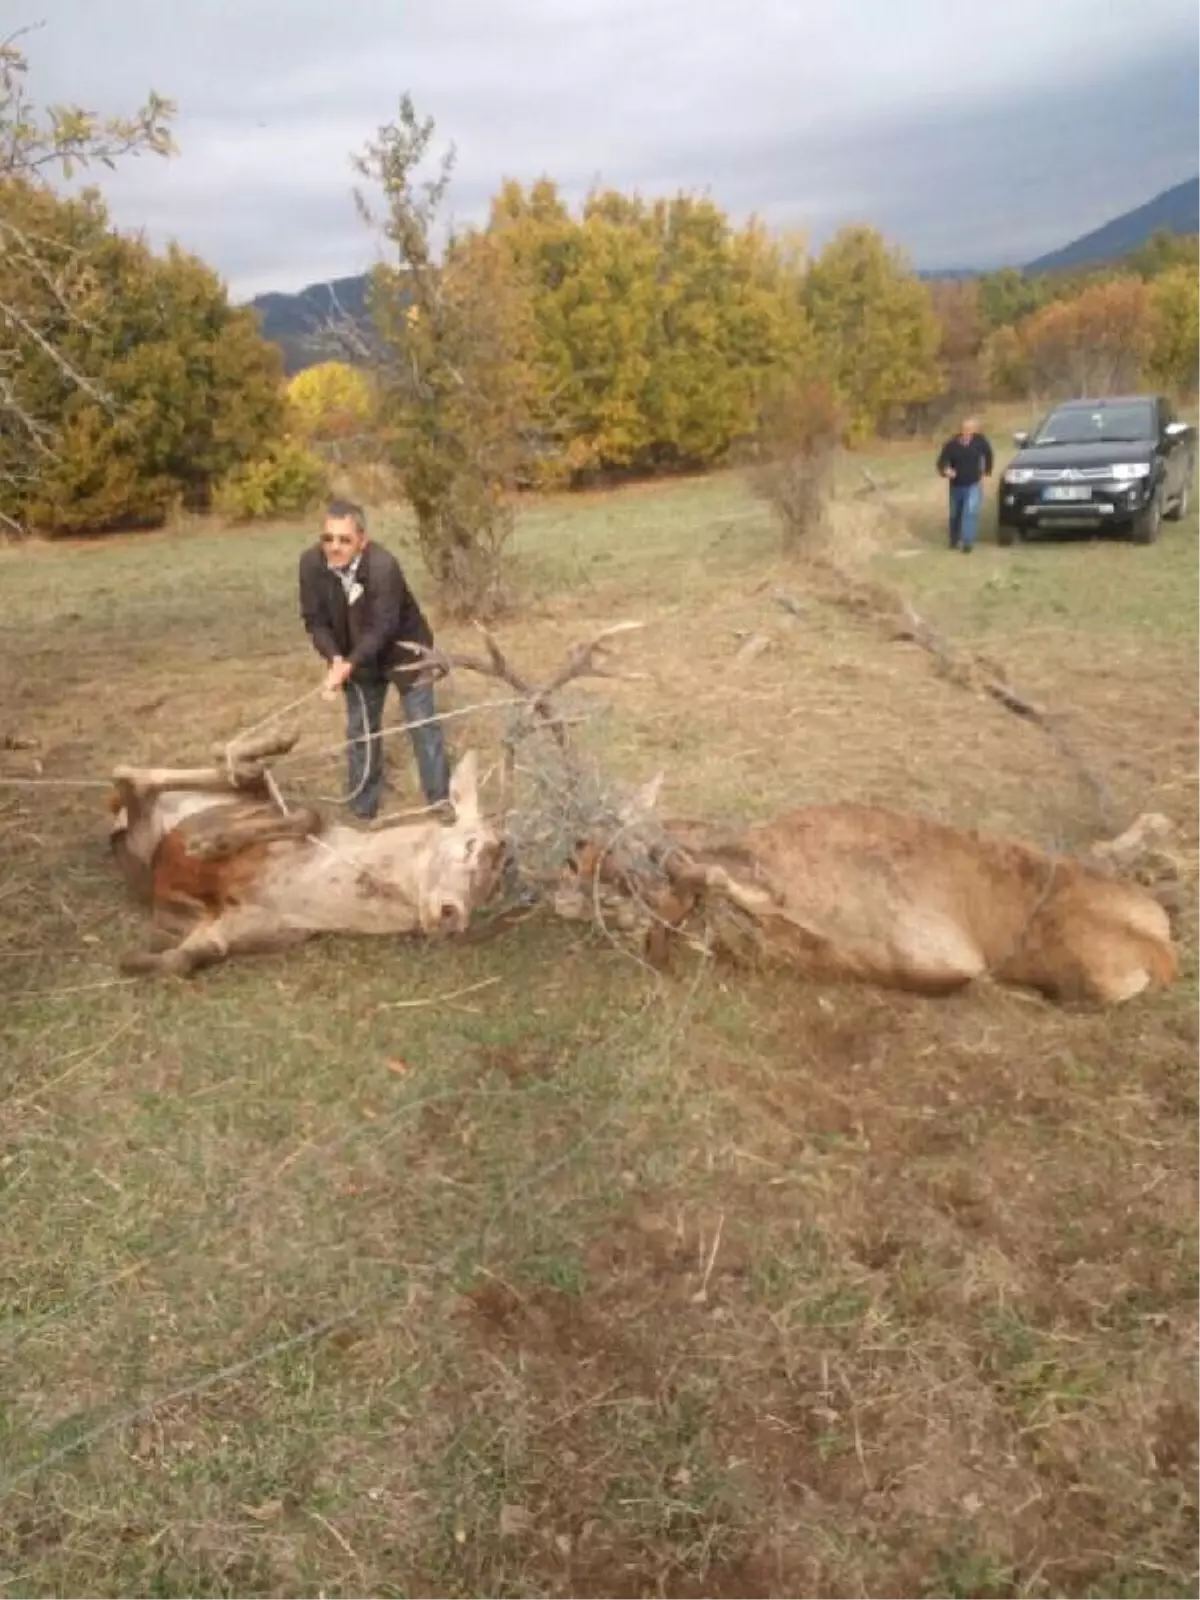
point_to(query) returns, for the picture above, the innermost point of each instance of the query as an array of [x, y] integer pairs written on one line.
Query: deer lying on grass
[[853, 891], [227, 872]]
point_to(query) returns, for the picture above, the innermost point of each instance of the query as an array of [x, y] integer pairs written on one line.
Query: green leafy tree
[[144, 393], [453, 363], [1164, 252], [1175, 330], [1006, 296], [46, 285], [286, 479]]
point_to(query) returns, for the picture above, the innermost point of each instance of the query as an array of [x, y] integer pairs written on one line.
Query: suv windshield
[[1106, 424]]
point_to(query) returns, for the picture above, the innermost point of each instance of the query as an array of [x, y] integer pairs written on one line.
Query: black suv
[[1126, 462]]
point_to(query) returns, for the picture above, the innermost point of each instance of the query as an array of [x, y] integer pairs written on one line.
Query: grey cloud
[[968, 137]]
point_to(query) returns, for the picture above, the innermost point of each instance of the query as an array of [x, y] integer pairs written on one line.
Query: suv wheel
[[1006, 534], [1147, 523]]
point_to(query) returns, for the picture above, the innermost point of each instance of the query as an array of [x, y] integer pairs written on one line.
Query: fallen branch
[[968, 669]]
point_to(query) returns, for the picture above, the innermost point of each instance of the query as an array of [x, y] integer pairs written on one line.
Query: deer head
[[465, 860]]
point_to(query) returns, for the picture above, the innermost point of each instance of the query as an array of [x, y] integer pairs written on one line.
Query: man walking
[[359, 612], [965, 461]]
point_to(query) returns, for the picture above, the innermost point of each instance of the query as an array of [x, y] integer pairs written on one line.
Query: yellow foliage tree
[[331, 402], [1175, 330], [875, 328], [657, 324], [1005, 365]]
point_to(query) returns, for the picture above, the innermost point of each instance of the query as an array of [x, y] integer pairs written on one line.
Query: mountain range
[[1176, 210], [292, 320]]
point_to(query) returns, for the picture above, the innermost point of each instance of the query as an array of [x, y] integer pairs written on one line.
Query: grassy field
[[506, 1268]]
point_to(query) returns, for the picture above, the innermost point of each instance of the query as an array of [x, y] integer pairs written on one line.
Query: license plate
[[1067, 491]]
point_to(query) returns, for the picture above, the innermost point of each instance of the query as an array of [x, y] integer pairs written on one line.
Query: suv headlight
[[1018, 475], [1124, 471]]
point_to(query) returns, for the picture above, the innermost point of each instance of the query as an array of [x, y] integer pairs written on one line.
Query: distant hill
[[1176, 210], [295, 321]]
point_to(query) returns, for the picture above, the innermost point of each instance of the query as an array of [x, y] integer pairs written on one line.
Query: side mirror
[[1020, 439], [1175, 430]]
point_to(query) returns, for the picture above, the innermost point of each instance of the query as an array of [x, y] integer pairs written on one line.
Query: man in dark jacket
[[965, 460], [359, 612]]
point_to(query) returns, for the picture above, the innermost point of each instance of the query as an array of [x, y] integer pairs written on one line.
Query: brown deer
[[855, 891], [227, 870]]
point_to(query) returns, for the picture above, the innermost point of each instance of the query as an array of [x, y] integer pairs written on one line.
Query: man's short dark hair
[[348, 508]]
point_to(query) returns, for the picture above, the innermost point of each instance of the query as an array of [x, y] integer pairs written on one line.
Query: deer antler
[[584, 661]]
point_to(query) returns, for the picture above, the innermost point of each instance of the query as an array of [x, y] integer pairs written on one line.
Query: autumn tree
[[1005, 366], [1097, 343], [727, 320], [331, 403], [452, 350], [875, 329], [1175, 330], [658, 324], [46, 285], [956, 306]]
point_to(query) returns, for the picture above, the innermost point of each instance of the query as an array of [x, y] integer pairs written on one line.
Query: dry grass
[[580, 1282]]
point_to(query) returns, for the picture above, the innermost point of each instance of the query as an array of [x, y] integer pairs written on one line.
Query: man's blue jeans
[[965, 501], [365, 751]]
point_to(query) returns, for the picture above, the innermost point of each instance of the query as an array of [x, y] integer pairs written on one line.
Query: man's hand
[[948, 472], [337, 675]]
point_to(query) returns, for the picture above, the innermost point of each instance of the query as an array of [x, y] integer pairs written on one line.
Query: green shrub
[[287, 479]]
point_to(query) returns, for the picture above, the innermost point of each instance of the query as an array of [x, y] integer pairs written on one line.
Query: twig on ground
[[436, 999]]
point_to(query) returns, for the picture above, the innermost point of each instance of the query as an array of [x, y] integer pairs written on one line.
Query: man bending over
[[359, 613]]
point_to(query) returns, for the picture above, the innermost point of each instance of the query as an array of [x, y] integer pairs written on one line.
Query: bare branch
[[583, 661]]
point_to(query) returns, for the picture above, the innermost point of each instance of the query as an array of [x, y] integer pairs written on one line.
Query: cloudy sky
[[970, 134]]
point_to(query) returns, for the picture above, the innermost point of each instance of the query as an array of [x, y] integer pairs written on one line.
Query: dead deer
[[857, 892], [227, 871]]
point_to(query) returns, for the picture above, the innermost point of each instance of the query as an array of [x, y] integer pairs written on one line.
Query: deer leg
[[228, 834], [143, 783], [255, 750], [669, 912], [243, 930]]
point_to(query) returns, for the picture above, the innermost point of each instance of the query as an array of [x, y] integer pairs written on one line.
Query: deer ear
[[464, 787], [644, 801]]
